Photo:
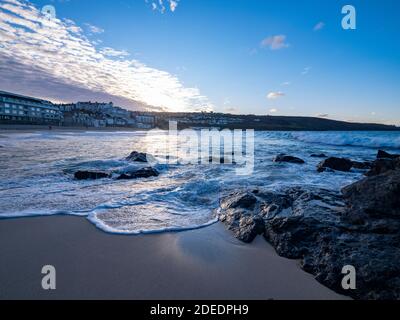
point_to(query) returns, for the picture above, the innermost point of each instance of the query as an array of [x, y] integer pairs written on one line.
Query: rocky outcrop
[[385, 162], [361, 165], [90, 175], [318, 155], [376, 196], [338, 164], [328, 230], [289, 159], [386, 155], [140, 157], [140, 173]]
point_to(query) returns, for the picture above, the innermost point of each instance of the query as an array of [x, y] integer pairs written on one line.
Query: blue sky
[[239, 56]]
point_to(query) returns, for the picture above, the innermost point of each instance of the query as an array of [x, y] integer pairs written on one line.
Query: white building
[[15, 108]]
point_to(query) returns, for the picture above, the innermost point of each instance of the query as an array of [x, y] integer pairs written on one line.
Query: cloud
[[319, 26], [275, 42], [306, 70], [287, 83], [323, 115], [273, 110], [47, 57], [275, 95], [163, 5], [110, 52], [94, 29]]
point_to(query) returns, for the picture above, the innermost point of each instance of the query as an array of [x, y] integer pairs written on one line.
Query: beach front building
[[19, 109]]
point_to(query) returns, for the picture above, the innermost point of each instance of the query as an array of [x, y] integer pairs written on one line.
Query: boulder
[[137, 174], [362, 165], [91, 175], [385, 155], [319, 155], [383, 165], [289, 159], [338, 164], [140, 157], [376, 195], [327, 230]]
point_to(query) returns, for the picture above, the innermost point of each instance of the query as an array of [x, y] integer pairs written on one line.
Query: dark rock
[[141, 173], [90, 175], [239, 200], [383, 165], [321, 155], [362, 165], [326, 231], [338, 164], [140, 157], [286, 158], [385, 155], [377, 195]]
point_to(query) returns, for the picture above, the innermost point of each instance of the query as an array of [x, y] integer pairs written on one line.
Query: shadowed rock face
[[140, 157], [318, 155], [328, 230], [289, 159], [141, 173], [338, 164], [90, 175], [386, 155]]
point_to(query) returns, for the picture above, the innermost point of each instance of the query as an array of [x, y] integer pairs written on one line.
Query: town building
[[19, 109]]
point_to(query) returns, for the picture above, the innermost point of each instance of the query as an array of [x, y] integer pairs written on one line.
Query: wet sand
[[201, 264]]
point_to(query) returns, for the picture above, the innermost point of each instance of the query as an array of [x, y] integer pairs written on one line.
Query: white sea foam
[[36, 176], [357, 139]]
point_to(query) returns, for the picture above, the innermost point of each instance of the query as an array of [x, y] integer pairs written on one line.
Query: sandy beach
[[201, 264]]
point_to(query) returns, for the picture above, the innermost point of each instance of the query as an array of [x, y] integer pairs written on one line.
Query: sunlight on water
[[36, 175]]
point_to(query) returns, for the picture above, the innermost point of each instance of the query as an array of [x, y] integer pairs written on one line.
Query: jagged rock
[[286, 158], [385, 155], [377, 195], [362, 165], [327, 230], [320, 155], [380, 166], [141, 173], [239, 200], [338, 164], [90, 175], [140, 157]]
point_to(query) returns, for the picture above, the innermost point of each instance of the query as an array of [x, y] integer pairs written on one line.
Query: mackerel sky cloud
[[37, 53]]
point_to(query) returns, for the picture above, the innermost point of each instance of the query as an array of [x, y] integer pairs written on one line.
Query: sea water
[[36, 176]]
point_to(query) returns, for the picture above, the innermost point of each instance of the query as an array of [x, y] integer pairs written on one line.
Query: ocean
[[36, 176]]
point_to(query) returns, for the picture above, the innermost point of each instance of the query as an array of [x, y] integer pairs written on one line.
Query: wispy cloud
[[306, 70], [273, 110], [94, 29], [163, 5], [110, 52], [275, 95], [319, 26], [275, 42], [55, 59]]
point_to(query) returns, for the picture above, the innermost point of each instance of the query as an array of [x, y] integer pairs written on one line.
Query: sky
[[236, 56]]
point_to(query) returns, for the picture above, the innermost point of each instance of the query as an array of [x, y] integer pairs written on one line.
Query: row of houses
[[15, 108], [19, 109]]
